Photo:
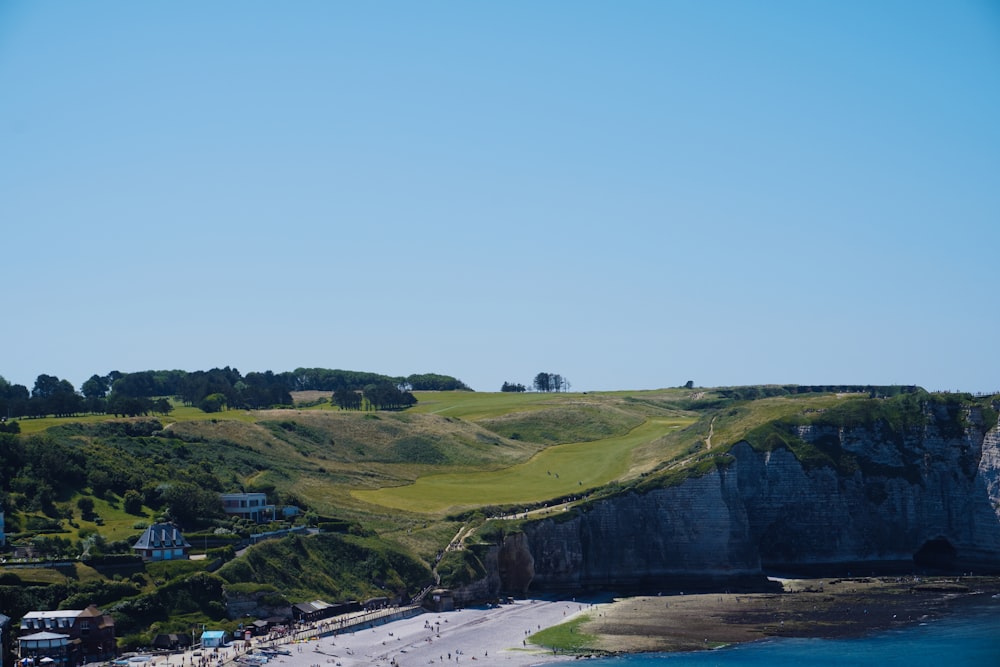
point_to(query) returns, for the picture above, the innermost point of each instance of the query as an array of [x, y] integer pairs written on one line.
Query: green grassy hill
[[403, 483]]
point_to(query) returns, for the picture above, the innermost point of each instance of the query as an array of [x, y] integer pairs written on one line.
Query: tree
[[86, 506], [510, 386], [45, 386], [435, 382], [387, 396], [128, 406], [132, 502], [551, 382], [189, 504], [213, 403], [95, 387], [347, 399], [13, 399]]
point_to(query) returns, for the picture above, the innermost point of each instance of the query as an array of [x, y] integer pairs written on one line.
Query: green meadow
[[554, 472]]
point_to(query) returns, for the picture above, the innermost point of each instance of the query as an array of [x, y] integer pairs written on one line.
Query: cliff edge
[[828, 495]]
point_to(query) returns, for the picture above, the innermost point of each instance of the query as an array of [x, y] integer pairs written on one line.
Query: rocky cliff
[[925, 495]]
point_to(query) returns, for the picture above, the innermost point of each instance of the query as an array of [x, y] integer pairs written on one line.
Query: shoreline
[[503, 635], [817, 608]]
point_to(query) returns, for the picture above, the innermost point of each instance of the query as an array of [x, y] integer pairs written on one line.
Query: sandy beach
[[501, 635], [488, 636]]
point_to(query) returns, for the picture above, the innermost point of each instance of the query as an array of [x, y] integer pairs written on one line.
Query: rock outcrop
[[926, 496]]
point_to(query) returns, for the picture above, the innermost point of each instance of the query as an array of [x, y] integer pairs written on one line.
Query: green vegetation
[[554, 472], [460, 568], [566, 637], [336, 567], [391, 489]]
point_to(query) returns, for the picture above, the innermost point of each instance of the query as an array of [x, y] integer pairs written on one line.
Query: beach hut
[[213, 638]]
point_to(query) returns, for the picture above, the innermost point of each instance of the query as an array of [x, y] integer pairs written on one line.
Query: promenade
[[398, 637], [237, 650]]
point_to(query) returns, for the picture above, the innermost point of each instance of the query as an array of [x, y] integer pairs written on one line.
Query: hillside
[[404, 484]]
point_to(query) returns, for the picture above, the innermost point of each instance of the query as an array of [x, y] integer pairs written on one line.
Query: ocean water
[[969, 637]]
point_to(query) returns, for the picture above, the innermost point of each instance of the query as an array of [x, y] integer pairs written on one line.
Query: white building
[[252, 506]]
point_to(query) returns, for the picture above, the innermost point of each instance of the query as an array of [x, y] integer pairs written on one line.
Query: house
[[251, 506], [68, 636], [162, 541]]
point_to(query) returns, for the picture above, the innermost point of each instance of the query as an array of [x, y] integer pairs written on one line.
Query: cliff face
[[929, 495]]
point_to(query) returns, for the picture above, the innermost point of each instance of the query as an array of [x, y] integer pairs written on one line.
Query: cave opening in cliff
[[936, 554]]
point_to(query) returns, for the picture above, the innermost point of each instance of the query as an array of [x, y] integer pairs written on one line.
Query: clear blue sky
[[630, 194]]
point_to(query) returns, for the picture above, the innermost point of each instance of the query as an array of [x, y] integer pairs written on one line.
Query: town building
[[67, 637], [162, 541], [251, 506], [51, 649]]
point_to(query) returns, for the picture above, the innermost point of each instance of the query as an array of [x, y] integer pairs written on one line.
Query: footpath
[[237, 651]]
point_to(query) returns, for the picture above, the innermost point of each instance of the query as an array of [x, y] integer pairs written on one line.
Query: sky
[[630, 194]]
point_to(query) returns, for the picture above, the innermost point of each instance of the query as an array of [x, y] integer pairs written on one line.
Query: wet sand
[[819, 608]]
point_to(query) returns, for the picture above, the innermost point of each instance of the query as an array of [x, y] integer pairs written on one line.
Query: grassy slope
[[556, 471], [455, 449], [401, 474]]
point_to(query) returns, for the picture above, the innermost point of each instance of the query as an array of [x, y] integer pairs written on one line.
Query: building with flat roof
[[213, 638], [251, 506]]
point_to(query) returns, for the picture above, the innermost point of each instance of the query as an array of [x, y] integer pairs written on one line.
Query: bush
[[132, 502], [459, 568]]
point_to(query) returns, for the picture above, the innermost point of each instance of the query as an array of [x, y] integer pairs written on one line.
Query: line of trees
[[145, 392], [551, 382], [384, 396], [542, 382]]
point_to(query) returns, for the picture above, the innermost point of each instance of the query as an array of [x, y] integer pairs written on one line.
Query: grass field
[[567, 636], [451, 450], [556, 471], [179, 413]]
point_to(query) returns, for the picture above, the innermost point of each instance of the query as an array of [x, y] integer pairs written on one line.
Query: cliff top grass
[[554, 472], [457, 451]]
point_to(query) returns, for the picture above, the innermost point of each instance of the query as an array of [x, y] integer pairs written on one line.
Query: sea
[[968, 637]]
